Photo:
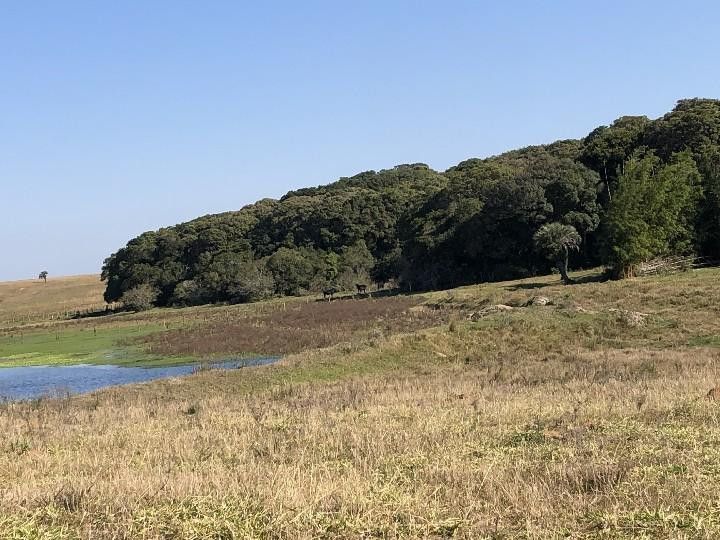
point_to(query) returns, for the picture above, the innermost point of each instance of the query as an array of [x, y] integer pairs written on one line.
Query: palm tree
[[43, 275], [555, 241]]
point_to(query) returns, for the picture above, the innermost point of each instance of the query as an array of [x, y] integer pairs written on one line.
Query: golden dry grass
[[543, 422], [32, 300]]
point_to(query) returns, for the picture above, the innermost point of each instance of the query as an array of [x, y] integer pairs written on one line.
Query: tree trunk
[[607, 182], [562, 265]]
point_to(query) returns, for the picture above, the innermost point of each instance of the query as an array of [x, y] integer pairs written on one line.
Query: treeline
[[627, 192]]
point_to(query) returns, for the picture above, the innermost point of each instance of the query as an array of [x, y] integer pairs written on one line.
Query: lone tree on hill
[[43, 275], [555, 241]]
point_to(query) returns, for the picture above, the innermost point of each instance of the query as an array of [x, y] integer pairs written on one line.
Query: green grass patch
[[705, 341], [85, 345]]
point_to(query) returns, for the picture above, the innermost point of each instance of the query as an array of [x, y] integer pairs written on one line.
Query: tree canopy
[[654, 211], [556, 241], [635, 189]]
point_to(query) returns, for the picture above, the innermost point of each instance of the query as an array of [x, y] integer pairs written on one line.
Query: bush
[[256, 284], [187, 293], [292, 270], [140, 298]]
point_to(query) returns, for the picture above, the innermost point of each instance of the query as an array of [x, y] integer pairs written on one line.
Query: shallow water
[[37, 381]]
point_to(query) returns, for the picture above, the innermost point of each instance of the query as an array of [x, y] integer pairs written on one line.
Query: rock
[[539, 301], [630, 318]]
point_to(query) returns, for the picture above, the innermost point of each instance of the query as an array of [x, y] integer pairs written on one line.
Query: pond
[[38, 381]]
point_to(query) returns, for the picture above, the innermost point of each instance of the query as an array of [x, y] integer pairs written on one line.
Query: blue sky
[[116, 118]]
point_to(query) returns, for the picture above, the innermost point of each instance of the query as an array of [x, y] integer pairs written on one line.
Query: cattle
[[328, 293]]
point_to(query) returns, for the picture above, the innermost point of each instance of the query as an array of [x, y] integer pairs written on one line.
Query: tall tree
[[556, 241], [708, 219], [606, 149], [653, 213]]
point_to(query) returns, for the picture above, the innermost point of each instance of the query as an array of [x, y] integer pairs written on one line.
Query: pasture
[[432, 416], [32, 300]]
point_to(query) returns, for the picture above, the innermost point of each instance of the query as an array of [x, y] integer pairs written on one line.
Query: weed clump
[[192, 410]]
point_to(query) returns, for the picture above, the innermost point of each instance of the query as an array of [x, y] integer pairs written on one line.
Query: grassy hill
[[476, 412], [32, 300]]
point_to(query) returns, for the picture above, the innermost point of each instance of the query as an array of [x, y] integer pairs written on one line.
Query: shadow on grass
[[596, 277]]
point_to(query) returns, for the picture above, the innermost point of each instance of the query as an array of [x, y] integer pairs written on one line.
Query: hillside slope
[[32, 300]]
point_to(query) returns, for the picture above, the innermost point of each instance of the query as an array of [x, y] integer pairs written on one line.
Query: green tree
[[480, 227], [606, 149], [332, 266], [387, 267], [653, 213], [474, 222], [292, 271], [555, 241], [43, 275], [355, 263], [187, 293], [708, 218], [693, 125]]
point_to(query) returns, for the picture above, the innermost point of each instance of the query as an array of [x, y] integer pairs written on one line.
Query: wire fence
[[14, 318]]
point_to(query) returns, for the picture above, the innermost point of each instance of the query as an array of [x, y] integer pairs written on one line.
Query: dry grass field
[[585, 418], [32, 300]]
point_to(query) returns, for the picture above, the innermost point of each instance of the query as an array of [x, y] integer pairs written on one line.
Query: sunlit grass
[[559, 421]]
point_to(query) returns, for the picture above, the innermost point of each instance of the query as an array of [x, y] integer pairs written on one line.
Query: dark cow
[[328, 293]]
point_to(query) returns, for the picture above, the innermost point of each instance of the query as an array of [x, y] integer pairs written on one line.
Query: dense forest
[[627, 192]]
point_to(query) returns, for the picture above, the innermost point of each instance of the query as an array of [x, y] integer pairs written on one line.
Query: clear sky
[[119, 117]]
